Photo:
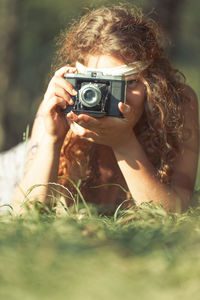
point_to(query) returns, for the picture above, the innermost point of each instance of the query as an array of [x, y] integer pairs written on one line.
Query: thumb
[[126, 110]]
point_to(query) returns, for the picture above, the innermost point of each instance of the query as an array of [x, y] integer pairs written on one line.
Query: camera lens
[[90, 95]]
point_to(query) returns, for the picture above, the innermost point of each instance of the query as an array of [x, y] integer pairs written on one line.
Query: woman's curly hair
[[130, 36]]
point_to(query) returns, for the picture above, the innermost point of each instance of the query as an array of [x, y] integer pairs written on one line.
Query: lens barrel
[[90, 95]]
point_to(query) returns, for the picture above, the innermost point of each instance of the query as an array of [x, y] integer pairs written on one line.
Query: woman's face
[[135, 95]]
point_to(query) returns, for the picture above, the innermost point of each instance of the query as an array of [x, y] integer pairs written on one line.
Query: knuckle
[[53, 79], [52, 84], [82, 133], [70, 69], [56, 80], [68, 86], [54, 100], [64, 69], [58, 72], [65, 93]]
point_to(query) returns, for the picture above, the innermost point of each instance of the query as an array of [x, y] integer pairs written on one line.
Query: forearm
[[141, 177], [43, 169]]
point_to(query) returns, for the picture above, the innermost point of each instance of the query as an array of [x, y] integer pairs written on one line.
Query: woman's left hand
[[110, 131]]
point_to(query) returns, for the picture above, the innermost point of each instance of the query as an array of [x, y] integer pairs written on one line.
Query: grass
[[140, 253]]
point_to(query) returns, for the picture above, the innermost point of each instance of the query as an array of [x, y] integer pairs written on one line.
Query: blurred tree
[[9, 37], [167, 14], [27, 32]]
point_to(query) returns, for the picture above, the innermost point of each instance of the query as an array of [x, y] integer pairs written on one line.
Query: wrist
[[52, 142], [125, 144]]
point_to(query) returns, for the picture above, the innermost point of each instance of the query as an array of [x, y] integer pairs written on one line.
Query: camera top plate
[[95, 76]]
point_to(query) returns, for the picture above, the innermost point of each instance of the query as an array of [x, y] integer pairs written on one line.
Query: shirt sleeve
[[12, 163]]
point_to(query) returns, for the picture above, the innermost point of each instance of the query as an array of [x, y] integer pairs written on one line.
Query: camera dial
[[90, 95]]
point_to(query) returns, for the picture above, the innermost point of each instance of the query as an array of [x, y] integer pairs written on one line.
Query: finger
[[84, 133], [89, 120], [61, 93], [55, 89], [79, 119], [65, 69], [97, 126], [54, 103], [72, 116], [59, 81], [58, 92], [91, 123], [126, 110], [80, 131]]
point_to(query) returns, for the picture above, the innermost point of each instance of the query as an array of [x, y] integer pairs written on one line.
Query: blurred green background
[[27, 45]]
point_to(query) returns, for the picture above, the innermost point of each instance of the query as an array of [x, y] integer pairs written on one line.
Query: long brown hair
[[129, 35]]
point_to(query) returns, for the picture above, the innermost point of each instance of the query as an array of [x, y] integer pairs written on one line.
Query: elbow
[[179, 203]]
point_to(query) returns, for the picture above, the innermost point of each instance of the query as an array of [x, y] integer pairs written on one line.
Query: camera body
[[97, 94]]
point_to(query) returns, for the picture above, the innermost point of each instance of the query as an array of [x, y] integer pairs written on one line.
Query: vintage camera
[[97, 94]]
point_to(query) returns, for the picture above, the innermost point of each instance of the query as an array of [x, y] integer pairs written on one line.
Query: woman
[[152, 151]]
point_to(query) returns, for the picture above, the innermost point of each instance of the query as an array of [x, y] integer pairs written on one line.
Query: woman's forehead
[[103, 61], [111, 67]]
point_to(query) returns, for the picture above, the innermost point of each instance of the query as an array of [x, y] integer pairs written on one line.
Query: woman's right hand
[[56, 98]]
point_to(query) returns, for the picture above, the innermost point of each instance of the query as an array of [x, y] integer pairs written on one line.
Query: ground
[[141, 253]]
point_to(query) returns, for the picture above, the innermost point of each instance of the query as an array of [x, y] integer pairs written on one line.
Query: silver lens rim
[[96, 91]]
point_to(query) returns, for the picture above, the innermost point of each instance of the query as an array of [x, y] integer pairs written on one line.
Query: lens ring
[[89, 95]]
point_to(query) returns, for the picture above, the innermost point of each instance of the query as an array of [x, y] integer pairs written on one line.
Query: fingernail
[[74, 92], [126, 108], [71, 102], [69, 115]]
